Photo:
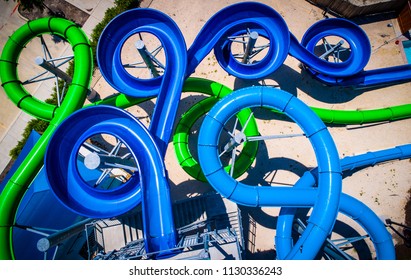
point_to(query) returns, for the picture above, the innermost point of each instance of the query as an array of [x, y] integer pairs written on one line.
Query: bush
[[35, 124], [118, 8]]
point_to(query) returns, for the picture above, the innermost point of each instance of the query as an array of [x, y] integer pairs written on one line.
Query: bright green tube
[[74, 99], [328, 115], [12, 50], [363, 116], [191, 166]]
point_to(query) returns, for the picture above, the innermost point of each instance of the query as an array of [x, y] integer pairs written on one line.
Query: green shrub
[[118, 8]]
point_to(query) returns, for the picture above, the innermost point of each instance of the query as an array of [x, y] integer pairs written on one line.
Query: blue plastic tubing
[[349, 206], [225, 23], [350, 32], [349, 72], [324, 199], [150, 183], [168, 89], [157, 215], [181, 63], [233, 20]]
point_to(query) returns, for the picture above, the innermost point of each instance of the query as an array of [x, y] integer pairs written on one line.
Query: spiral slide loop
[[20, 38], [16, 187], [325, 199], [121, 28], [364, 216], [74, 192], [62, 171], [351, 207], [150, 144], [168, 87], [350, 32], [350, 71], [232, 20]]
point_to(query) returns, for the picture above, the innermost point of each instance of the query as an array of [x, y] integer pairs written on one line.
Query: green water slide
[[329, 116], [74, 99]]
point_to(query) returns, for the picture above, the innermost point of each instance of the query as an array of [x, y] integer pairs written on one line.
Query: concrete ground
[[384, 188]]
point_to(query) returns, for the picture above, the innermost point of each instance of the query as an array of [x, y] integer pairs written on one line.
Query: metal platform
[[208, 226]]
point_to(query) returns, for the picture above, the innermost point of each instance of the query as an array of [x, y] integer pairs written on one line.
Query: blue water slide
[[236, 19], [349, 206], [149, 184], [167, 87], [351, 33], [325, 198], [350, 71], [373, 158], [157, 215], [71, 189]]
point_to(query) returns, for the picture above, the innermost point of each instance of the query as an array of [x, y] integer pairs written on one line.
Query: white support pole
[[56, 238], [91, 94], [146, 57], [250, 46], [94, 161], [53, 69], [333, 48]]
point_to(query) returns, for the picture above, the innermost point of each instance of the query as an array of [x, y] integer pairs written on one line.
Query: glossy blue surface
[[325, 198]]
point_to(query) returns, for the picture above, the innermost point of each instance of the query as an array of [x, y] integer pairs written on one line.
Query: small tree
[[30, 4]]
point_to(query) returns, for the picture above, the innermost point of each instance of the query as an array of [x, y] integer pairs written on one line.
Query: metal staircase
[[209, 227]]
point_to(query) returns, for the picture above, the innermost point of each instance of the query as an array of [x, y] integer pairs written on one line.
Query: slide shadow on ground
[[290, 80]]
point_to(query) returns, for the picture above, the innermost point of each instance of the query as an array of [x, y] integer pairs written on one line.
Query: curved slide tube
[[349, 72], [349, 206], [229, 22], [325, 199], [350, 32], [216, 90], [159, 231], [76, 95], [97, 203], [11, 52], [234, 19], [168, 87]]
